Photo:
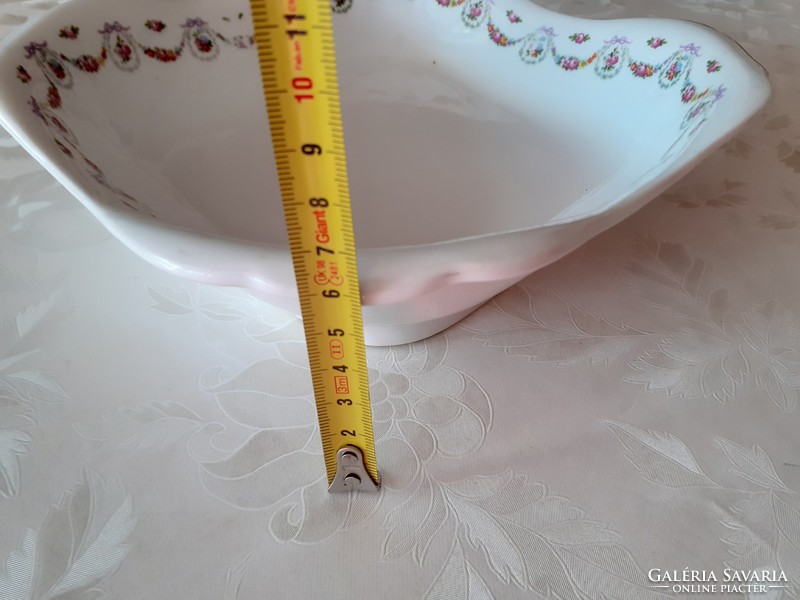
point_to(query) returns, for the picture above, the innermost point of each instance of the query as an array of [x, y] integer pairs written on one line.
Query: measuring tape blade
[[301, 90]]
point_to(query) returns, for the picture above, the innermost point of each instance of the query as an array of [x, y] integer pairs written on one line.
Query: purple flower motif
[[194, 23], [115, 27], [548, 31], [618, 40], [691, 49], [34, 48]]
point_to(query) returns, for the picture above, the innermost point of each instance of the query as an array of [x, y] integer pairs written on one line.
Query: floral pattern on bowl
[[118, 47]]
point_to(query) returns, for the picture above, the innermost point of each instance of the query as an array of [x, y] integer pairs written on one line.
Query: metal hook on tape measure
[[351, 474]]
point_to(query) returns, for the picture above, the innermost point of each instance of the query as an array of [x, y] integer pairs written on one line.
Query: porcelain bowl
[[485, 138]]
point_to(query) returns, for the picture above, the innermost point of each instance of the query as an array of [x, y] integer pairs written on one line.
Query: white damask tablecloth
[[635, 406]]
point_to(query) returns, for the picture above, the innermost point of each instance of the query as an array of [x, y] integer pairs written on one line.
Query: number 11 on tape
[[301, 91]]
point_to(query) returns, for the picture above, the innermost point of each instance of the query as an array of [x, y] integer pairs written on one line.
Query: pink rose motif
[[203, 43], [641, 71], [56, 68], [63, 148], [23, 75], [688, 93], [444, 2], [580, 38], [54, 100], [673, 71], [155, 25], [69, 33], [656, 42], [475, 12], [89, 63], [496, 37], [124, 51], [612, 60], [570, 64]]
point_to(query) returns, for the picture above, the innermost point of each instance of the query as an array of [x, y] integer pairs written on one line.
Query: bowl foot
[[406, 333]]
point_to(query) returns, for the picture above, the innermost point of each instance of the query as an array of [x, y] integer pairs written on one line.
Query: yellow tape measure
[[301, 90]]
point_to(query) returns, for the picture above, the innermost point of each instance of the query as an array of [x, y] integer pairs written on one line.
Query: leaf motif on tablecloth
[[414, 524], [171, 301], [739, 148], [721, 195], [765, 534], [219, 311], [274, 327], [269, 466], [660, 458], [13, 444], [692, 364], [781, 221], [778, 222], [38, 319], [751, 532], [20, 339], [141, 427], [751, 464], [269, 393], [234, 578], [787, 519], [458, 579], [81, 542], [484, 532], [789, 155], [701, 361], [780, 122], [666, 276], [544, 327], [20, 568], [317, 514], [541, 542], [771, 331], [36, 385]]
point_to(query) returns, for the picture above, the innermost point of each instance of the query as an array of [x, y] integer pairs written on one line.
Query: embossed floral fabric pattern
[[632, 410]]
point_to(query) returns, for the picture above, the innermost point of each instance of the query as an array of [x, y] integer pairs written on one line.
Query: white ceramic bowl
[[485, 139]]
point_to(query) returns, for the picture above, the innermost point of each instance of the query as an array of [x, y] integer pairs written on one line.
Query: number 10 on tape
[[301, 91]]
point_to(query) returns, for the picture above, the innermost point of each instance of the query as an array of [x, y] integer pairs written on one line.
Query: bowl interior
[[453, 128]]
